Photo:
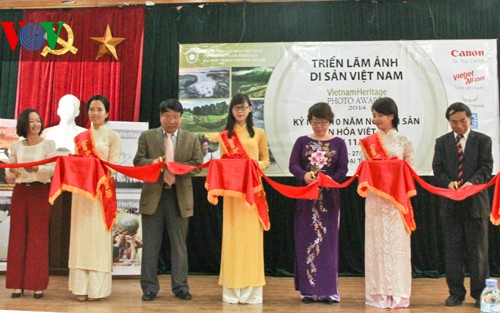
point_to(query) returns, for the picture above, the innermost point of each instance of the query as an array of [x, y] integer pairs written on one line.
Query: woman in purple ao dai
[[317, 221]]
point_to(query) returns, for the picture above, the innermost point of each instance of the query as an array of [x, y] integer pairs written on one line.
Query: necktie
[[168, 177], [460, 152]]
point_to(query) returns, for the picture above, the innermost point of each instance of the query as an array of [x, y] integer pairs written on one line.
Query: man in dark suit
[[462, 158], [167, 205]]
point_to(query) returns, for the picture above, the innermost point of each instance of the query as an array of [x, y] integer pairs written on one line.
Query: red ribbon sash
[[84, 144], [233, 146], [374, 148]]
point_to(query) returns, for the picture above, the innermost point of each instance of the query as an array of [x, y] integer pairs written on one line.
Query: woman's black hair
[[387, 106], [104, 101], [237, 99], [23, 122], [321, 110]]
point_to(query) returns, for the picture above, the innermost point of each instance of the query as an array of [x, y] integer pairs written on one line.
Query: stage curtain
[[9, 63], [44, 80], [312, 21], [161, 61]]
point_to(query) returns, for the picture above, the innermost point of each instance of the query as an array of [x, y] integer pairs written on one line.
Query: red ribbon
[[85, 147], [393, 181], [238, 178], [392, 177], [465, 192], [151, 172], [29, 164]]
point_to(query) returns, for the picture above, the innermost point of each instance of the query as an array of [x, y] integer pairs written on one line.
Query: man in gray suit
[[462, 158], [167, 206]]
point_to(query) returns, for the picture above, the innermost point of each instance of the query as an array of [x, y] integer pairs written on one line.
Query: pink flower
[[318, 160]]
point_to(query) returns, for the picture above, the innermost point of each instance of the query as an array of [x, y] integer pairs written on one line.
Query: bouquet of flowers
[[318, 160]]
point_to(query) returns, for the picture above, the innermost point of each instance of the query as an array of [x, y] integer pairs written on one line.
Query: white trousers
[[249, 295], [93, 284], [386, 302]]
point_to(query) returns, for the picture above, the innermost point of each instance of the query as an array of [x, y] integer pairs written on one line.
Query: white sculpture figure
[[64, 133]]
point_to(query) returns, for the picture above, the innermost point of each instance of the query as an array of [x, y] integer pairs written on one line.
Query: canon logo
[[467, 53]]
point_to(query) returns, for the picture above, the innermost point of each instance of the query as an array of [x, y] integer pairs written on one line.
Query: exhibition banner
[[129, 136], [8, 136], [127, 231], [127, 234], [5, 197], [285, 79]]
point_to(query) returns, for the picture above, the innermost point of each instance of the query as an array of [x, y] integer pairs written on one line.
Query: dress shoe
[[184, 295], [17, 294], [328, 301], [478, 303], [307, 300], [148, 296], [38, 294], [453, 301]]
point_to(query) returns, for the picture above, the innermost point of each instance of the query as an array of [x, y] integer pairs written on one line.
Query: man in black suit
[[465, 223]]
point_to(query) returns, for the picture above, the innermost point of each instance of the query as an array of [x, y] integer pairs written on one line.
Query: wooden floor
[[428, 296]]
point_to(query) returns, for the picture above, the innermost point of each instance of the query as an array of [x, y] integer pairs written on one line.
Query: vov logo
[[33, 36]]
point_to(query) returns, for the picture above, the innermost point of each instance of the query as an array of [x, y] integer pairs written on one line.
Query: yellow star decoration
[[107, 44]]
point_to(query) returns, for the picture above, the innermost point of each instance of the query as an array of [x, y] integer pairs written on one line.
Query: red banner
[[72, 68]]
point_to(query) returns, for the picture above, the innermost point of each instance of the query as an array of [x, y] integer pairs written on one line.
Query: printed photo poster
[[129, 135], [127, 234], [205, 94], [285, 79], [7, 137], [5, 197], [205, 118], [127, 231]]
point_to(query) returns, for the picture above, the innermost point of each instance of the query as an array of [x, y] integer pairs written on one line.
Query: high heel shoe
[[81, 298], [17, 294], [38, 294], [93, 299]]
